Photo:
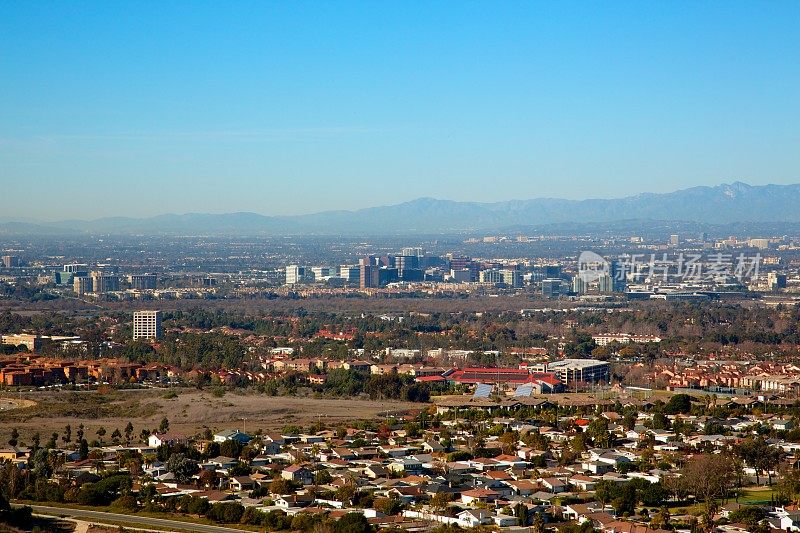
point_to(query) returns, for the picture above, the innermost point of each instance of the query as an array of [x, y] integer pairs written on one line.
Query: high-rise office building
[[490, 276], [776, 280], [579, 285], [674, 240], [406, 262], [76, 268], [102, 283], [295, 274], [147, 325], [551, 288], [511, 277], [82, 285], [413, 251], [552, 271], [141, 282], [10, 261], [369, 275], [350, 273], [605, 284], [321, 272], [616, 271]]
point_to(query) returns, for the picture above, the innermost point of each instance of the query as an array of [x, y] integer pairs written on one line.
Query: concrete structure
[[551, 288], [295, 274], [776, 280], [82, 285], [31, 342], [147, 325], [143, 281], [102, 283], [369, 276], [604, 339], [572, 370], [579, 286], [75, 268], [321, 272], [10, 261], [350, 273], [461, 275]]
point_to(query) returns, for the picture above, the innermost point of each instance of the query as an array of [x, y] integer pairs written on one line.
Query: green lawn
[[757, 495]]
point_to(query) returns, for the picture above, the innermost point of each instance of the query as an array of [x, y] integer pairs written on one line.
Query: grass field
[[757, 495]]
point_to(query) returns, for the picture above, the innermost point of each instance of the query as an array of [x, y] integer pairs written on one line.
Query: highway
[[144, 521]]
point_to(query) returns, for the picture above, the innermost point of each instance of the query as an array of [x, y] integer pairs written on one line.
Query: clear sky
[[140, 108]]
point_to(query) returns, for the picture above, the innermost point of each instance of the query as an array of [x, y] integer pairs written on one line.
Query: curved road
[[100, 516]]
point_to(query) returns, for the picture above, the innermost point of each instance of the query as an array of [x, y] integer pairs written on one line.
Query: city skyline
[[305, 107]]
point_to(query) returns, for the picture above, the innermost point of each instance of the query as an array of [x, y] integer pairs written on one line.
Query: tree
[[322, 477], [678, 404], [538, 523], [226, 512], [182, 467], [388, 506], [14, 437], [128, 433], [605, 491], [661, 519], [279, 486], [101, 433], [521, 512], [163, 427], [759, 455], [83, 449], [441, 500], [67, 438], [748, 514], [709, 477], [598, 431], [116, 435], [352, 523], [789, 484]]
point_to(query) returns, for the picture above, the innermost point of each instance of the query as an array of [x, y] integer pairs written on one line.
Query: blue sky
[[139, 108]]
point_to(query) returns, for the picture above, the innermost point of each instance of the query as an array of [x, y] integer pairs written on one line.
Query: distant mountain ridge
[[734, 203]]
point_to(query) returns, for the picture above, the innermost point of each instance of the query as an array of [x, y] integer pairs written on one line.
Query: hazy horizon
[[359, 208], [142, 109]]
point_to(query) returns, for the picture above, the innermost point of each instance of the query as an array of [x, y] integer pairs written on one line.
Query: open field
[[190, 412], [757, 495], [9, 404]]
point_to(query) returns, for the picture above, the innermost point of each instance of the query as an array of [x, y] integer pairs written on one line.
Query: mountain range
[[735, 203]]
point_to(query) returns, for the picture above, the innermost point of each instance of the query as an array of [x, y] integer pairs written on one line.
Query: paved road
[[99, 516]]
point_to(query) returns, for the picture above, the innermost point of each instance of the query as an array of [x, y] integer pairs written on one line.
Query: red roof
[[432, 379]]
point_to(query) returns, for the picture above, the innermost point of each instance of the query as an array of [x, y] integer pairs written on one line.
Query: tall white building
[[350, 273], [294, 274], [321, 272], [147, 325]]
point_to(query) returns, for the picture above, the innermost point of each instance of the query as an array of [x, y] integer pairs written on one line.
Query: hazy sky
[[140, 108]]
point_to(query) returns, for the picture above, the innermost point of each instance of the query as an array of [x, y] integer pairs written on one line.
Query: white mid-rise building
[[147, 325], [294, 274]]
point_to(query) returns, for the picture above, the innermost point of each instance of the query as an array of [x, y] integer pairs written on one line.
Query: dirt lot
[[190, 412]]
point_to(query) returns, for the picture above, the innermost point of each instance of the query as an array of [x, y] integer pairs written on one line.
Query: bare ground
[[190, 412]]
